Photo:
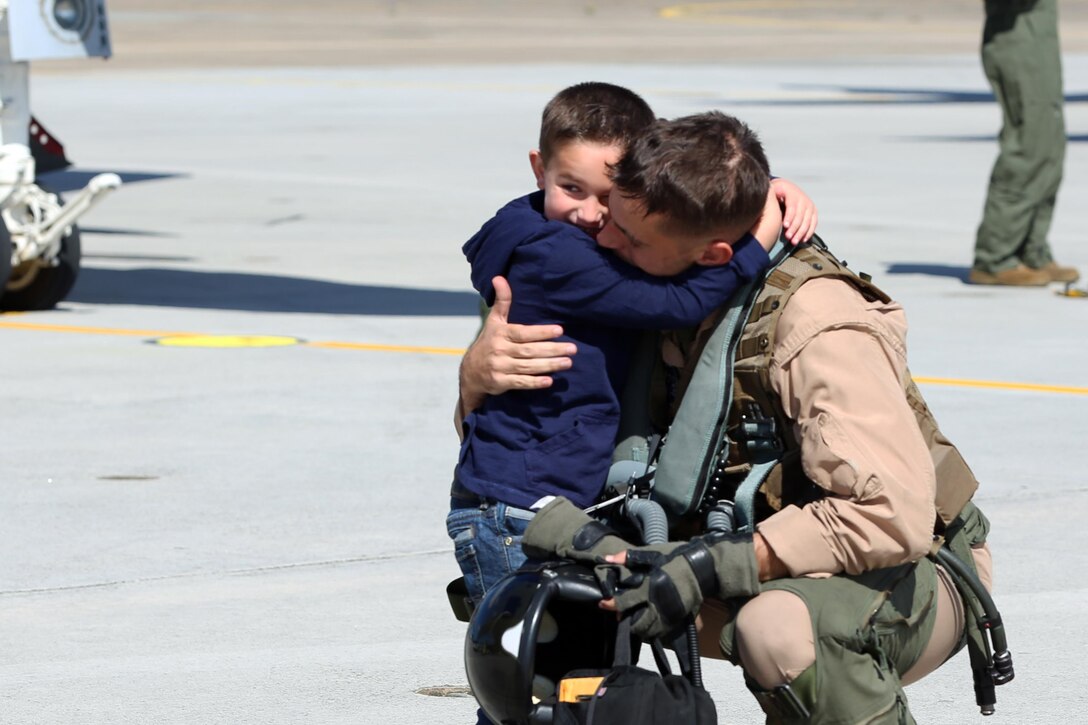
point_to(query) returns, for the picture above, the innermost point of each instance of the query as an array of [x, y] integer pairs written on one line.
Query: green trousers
[[868, 629], [1022, 59]]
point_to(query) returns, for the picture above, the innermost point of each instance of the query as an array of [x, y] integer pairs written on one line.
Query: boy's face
[[641, 240], [576, 183]]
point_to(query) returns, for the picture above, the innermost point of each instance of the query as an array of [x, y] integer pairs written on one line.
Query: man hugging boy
[[568, 263]]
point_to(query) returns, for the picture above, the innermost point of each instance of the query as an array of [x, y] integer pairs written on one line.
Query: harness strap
[[697, 434], [744, 502]]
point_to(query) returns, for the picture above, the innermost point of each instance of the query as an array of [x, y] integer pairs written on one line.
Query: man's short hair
[[593, 112], [703, 173]]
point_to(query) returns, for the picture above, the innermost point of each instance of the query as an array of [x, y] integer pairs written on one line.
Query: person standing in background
[[1022, 60]]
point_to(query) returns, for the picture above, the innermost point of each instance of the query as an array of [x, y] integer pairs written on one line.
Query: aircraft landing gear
[[36, 285]]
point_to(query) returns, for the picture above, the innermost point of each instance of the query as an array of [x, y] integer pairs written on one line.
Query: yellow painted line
[[174, 338], [87, 330], [755, 13], [215, 341], [183, 338], [998, 385]]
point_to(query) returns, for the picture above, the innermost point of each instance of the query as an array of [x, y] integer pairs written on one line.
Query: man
[[1022, 60], [830, 605]]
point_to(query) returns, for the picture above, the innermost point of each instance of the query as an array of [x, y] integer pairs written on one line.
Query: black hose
[[693, 652]]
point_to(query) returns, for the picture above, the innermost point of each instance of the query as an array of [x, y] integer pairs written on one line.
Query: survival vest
[[730, 438]]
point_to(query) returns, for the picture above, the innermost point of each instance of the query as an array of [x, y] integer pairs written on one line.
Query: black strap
[[622, 654], [590, 535], [702, 565]]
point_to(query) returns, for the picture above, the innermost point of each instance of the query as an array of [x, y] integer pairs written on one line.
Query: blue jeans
[[486, 539], [487, 543]]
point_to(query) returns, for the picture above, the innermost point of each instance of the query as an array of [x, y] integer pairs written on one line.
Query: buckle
[[759, 435]]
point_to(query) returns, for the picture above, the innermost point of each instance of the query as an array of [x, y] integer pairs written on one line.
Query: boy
[[522, 447]]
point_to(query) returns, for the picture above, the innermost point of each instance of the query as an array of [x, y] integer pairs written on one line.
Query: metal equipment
[[39, 239]]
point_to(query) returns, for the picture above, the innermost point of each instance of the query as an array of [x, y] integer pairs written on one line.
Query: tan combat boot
[[1058, 273], [1018, 276]]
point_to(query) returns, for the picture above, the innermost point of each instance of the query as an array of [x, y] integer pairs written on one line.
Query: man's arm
[[840, 373], [507, 356], [841, 380]]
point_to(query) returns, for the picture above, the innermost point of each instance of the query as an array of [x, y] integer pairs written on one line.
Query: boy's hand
[[800, 217], [507, 356], [769, 224]]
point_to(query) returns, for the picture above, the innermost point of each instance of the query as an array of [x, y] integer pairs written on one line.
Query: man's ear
[[537, 162], [715, 254]]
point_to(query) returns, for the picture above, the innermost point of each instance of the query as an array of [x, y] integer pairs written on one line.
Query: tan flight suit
[[839, 367]]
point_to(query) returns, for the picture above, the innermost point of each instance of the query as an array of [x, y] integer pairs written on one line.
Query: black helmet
[[532, 628]]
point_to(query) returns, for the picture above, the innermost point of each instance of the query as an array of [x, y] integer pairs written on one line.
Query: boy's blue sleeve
[[750, 258], [489, 251], [586, 282]]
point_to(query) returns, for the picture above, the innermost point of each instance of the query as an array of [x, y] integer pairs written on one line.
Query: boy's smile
[[576, 183]]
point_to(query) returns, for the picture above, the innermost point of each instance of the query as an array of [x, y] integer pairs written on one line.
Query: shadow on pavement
[[861, 95], [263, 293], [933, 270], [72, 180], [988, 138]]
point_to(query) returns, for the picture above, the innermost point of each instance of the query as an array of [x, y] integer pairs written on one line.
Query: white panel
[[15, 115], [37, 33]]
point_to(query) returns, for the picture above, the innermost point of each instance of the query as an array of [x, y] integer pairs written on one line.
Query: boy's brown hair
[[703, 173], [593, 112]]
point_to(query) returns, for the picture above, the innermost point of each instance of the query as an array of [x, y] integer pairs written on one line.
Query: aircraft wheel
[[5, 254], [33, 287]]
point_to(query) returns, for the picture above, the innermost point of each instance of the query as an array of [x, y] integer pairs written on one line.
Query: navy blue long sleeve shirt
[[526, 444]]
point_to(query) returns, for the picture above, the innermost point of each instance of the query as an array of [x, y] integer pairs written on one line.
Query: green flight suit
[[1021, 56]]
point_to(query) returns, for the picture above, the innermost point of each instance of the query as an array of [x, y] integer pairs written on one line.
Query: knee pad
[[796, 703], [790, 703]]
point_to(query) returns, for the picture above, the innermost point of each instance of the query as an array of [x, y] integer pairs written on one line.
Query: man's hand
[[564, 530], [658, 590], [506, 356], [659, 586], [800, 217]]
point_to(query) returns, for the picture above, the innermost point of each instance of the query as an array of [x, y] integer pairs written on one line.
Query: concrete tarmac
[[254, 534]]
